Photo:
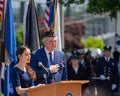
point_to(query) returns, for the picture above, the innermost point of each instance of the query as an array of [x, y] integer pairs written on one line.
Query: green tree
[[92, 42], [97, 6], [19, 35]]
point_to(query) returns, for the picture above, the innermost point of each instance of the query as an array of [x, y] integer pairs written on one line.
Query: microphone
[[44, 75], [41, 65]]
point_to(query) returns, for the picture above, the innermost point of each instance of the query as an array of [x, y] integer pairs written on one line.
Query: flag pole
[[56, 23], [30, 1], [62, 26], [55, 12], [0, 85]]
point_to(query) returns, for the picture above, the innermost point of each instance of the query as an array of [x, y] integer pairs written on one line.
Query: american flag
[[49, 14], [1, 9], [52, 19]]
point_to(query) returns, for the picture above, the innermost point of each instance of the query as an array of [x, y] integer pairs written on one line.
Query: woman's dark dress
[[20, 78]]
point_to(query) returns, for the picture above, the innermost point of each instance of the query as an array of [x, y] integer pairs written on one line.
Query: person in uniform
[[116, 56], [107, 71]]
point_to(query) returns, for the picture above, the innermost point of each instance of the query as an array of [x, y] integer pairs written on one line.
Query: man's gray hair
[[48, 37]]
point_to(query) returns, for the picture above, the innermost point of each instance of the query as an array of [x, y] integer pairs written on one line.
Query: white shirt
[[76, 70], [48, 55], [82, 61], [107, 58]]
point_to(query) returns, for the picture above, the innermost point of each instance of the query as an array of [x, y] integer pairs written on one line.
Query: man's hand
[[54, 68]]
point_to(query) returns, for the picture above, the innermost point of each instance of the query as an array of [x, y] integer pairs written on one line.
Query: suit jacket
[[40, 56], [86, 66]]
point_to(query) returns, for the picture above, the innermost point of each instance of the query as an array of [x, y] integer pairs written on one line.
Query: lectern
[[62, 88]]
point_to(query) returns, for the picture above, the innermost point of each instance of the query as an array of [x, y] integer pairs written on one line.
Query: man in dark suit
[[107, 70], [53, 60]]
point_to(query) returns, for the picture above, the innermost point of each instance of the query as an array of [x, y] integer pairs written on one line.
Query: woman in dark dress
[[22, 75]]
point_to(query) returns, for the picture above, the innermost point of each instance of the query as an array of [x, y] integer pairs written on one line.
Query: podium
[[62, 88]]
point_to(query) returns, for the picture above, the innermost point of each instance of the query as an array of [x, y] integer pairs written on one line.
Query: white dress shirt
[[48, 55]]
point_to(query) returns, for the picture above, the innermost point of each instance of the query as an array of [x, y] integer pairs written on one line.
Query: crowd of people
[[102, 71], [48, 65]]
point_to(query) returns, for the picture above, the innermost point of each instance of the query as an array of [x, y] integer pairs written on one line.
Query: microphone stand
[[45, 77], [46, 74]]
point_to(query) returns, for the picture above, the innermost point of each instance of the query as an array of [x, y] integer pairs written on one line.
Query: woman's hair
[[31, 72], [20, 50]]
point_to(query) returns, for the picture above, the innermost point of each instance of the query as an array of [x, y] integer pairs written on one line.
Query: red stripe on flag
[[1, 2], [1, 9], [46, 16], [47, 12], [46, 20]]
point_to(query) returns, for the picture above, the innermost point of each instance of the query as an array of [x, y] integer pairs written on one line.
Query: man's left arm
[[115, 80], [64, 75]]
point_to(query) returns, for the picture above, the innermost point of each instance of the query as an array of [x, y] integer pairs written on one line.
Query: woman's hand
[[39, 85]]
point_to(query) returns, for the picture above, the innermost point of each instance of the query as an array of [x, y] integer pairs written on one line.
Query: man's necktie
[[51, 60], [107, 59]]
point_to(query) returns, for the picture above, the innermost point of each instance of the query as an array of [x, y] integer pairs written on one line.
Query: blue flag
[[10, 47]]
